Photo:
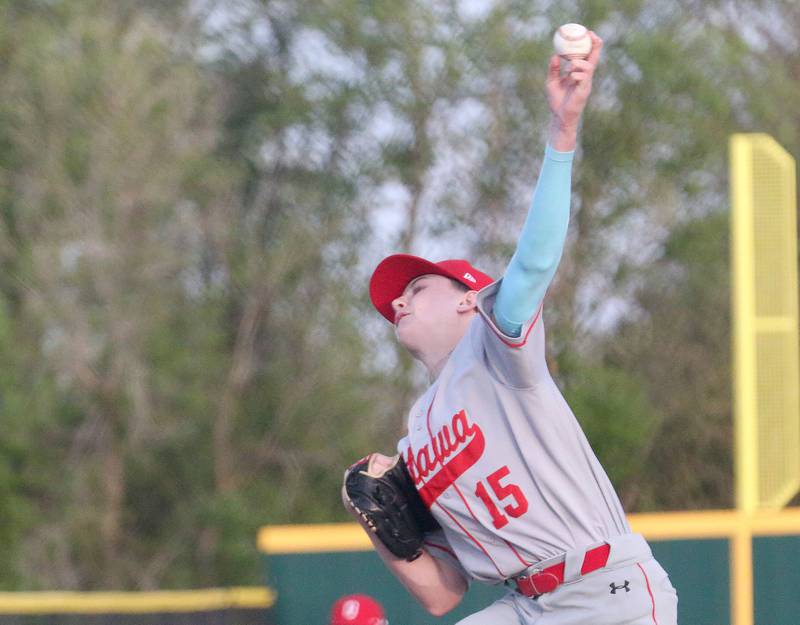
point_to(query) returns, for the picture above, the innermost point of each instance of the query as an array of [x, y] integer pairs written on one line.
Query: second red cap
[[357, 610]]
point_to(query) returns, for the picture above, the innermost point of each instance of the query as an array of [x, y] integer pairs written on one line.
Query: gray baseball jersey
[[501, 460]]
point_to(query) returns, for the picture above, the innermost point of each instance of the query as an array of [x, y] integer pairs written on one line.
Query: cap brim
[[392, 276]]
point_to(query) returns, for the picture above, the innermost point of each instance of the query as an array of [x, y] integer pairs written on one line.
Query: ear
[[468, 302]]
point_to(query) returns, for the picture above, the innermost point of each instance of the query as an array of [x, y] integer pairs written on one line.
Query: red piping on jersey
[[516, 553], [472, 514], [473, 539], [442, 473], [428, 415], [438, 492], [650, 592], [527, 334], [428, 543]]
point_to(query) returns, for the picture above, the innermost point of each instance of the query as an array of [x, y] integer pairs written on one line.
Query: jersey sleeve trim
[[521, 340], [486, 298], [514, 342]]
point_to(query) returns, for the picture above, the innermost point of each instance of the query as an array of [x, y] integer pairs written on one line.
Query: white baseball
[[572, 41]]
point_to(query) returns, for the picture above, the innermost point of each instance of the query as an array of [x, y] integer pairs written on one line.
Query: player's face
[[427, 311]]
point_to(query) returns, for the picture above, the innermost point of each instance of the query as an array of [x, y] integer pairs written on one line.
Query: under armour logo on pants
[[615, 588]]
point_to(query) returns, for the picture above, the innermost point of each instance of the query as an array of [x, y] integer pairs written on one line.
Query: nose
[[399, 303]]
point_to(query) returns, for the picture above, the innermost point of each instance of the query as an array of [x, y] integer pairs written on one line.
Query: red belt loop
[[547, 580], [595, 558]]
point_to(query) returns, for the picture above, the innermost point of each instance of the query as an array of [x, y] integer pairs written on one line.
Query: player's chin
[[406, 336], [401, 332]]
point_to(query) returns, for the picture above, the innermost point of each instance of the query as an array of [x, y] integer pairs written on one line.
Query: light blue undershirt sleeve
[[540, 245]]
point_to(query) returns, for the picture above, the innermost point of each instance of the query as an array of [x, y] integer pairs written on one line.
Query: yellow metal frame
[[743, 309], [135, 602], [748, 326]]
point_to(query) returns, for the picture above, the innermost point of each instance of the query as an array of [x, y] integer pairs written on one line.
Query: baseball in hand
[[572, 41]]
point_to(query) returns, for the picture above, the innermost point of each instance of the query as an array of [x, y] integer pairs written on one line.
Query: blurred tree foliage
[[194, 194]]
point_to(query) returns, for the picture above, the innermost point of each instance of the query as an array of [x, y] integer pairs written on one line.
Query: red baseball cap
[[357, 610], [393, 274]]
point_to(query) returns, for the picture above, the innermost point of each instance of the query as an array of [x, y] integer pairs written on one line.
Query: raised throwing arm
[[541, 242]]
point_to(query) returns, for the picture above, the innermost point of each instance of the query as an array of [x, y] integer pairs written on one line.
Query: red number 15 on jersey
[[502, 492]]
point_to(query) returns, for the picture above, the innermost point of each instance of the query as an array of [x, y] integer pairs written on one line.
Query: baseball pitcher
[[495, 480]]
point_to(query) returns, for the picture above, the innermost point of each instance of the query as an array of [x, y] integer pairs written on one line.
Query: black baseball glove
[[390, 505]]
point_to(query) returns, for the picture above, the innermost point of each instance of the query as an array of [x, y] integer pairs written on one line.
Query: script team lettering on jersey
[[462, 440]]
